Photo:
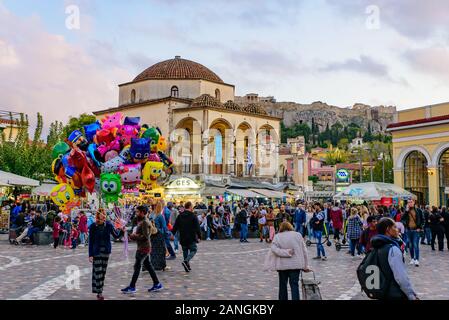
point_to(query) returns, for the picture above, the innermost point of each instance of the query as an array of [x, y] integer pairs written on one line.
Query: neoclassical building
[[210, 133], [421, 152]]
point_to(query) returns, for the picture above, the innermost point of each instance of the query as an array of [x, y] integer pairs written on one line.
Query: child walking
[[56, 230], [74, 236]]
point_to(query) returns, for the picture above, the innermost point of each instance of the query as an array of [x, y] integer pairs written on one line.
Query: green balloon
[[151, 133], [60, 148]]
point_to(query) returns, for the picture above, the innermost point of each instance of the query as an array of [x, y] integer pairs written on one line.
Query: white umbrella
[[373, 191]]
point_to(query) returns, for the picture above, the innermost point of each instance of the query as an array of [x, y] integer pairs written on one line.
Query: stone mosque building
[[212, 137]]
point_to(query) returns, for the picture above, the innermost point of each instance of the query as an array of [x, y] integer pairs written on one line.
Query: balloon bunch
[[116, 153]]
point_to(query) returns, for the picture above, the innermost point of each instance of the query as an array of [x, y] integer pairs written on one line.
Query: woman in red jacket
[[82, 228], [336, 215]]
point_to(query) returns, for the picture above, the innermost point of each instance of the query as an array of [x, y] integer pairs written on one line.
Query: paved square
[[222, 269]]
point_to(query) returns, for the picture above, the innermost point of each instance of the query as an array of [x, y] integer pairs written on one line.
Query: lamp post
[[382, 157]]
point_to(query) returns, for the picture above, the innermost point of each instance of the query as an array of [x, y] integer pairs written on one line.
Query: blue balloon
[[91, 130], [91, 152]]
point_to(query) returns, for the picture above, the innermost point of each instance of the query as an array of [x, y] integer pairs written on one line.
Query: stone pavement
[[222, 269]]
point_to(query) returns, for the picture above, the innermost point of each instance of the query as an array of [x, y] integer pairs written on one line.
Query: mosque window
[[133, 96], [174, 92]]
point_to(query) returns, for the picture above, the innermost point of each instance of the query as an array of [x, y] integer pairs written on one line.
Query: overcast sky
[[341, 52]]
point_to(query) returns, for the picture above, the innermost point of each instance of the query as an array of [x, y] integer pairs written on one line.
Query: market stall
[[383, 193], [183, 189]]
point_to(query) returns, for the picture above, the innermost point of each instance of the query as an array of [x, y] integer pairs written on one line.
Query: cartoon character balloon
[[139, 150], [130, 174], [150, 173], [111, 186], [62, 195], [112, 121]]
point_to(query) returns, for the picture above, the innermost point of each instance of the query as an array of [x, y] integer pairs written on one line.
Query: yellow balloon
[[150, 173], [62, 194]]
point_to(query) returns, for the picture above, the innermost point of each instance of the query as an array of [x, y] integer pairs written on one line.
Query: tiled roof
[[231, 105], [206, 100], [178, 68], [255, 108]]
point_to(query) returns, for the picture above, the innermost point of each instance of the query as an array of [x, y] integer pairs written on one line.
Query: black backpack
[[373, 279]]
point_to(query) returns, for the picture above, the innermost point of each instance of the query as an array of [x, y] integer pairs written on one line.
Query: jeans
[[176, 241], [188, 252], [145, 259], [310, 232], [32, 231], [300, 229], [413, 243], [427, 236], [227, 231], [319, 246], [353, 244], [291, 276], [243, 231], [208, 232], [168, 244], [82, 238]]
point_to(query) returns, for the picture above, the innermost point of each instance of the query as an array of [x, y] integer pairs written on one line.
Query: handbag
[[153, 229], [262, 220]]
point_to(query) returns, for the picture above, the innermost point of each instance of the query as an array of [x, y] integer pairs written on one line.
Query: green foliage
[[336, 156], [78, 123], [314, 179]]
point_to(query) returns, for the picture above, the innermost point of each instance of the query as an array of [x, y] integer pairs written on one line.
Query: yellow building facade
[[210, 134], [421, 152]]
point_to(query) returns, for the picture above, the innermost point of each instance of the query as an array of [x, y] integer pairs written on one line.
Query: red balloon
[[104, 136], [77, 181], [88, 179], [77, 159]]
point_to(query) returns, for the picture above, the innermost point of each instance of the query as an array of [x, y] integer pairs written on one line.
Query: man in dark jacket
[[445, 215], [242, 220], [427, 232], [413, 221], [37, 225], [391, 262], [189, 234]]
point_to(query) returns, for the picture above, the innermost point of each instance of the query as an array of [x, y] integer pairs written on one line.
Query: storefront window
[[415, 176], [444, 178]]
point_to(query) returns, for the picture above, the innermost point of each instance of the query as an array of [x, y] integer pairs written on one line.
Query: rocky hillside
[[379, 116]]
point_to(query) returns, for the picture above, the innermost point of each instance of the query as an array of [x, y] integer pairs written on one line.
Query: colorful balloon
[[112, 121], [140, 149], [130, 174], [61, 148], [62, 194], [91, 130], [111, 187], [150, 173]]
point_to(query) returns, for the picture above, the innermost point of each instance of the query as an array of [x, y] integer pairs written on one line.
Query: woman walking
[[270, 217], [100, 249], [288, 256], [354, 231], [158, 249]]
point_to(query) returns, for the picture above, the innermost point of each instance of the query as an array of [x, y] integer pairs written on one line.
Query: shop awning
[[43, 190], [271, 193], [213, 191], [245, 193], [16, 180]]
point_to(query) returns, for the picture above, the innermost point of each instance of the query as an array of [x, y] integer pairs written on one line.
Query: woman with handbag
[[158, 240], [288, 256]]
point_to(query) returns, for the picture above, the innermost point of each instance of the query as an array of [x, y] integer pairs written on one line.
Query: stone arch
[[267, 141], [438, 153], [220, 133], [186, 145], [405, 152]]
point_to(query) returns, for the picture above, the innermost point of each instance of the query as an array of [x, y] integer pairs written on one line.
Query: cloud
[[431, 60], [42, 71], [415, 19], [363, 64]]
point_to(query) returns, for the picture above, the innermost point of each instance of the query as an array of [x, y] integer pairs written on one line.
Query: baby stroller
[[344, 242], [324, 240]]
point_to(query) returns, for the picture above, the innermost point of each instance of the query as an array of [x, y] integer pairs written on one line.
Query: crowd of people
[[161, 229]]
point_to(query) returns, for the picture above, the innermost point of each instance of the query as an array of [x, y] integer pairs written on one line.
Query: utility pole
[[371, 164], [361, 167]]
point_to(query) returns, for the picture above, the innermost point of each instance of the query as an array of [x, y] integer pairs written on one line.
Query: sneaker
[[208, 239], [185, 265], [316, 258], [188, 265], [246, 241], [324, 258], [129, 290], [416, 263], [171, 258], [156, 288], [412, 261], [176, 251]]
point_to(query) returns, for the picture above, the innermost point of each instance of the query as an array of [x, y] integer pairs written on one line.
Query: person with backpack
[[413, 220], [317, 223], [242, 220], [391, 276]]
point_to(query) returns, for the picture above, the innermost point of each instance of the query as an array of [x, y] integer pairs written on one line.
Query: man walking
[[142, 237], [242, 220], [300, 219], [413, 220], [189, 234]]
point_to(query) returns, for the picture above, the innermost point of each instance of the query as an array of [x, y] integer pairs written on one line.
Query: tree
[[336, 156], [78, 123]]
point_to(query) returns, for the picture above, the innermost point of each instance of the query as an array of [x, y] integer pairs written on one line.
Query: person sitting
[[217, 225], [37, 225]]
